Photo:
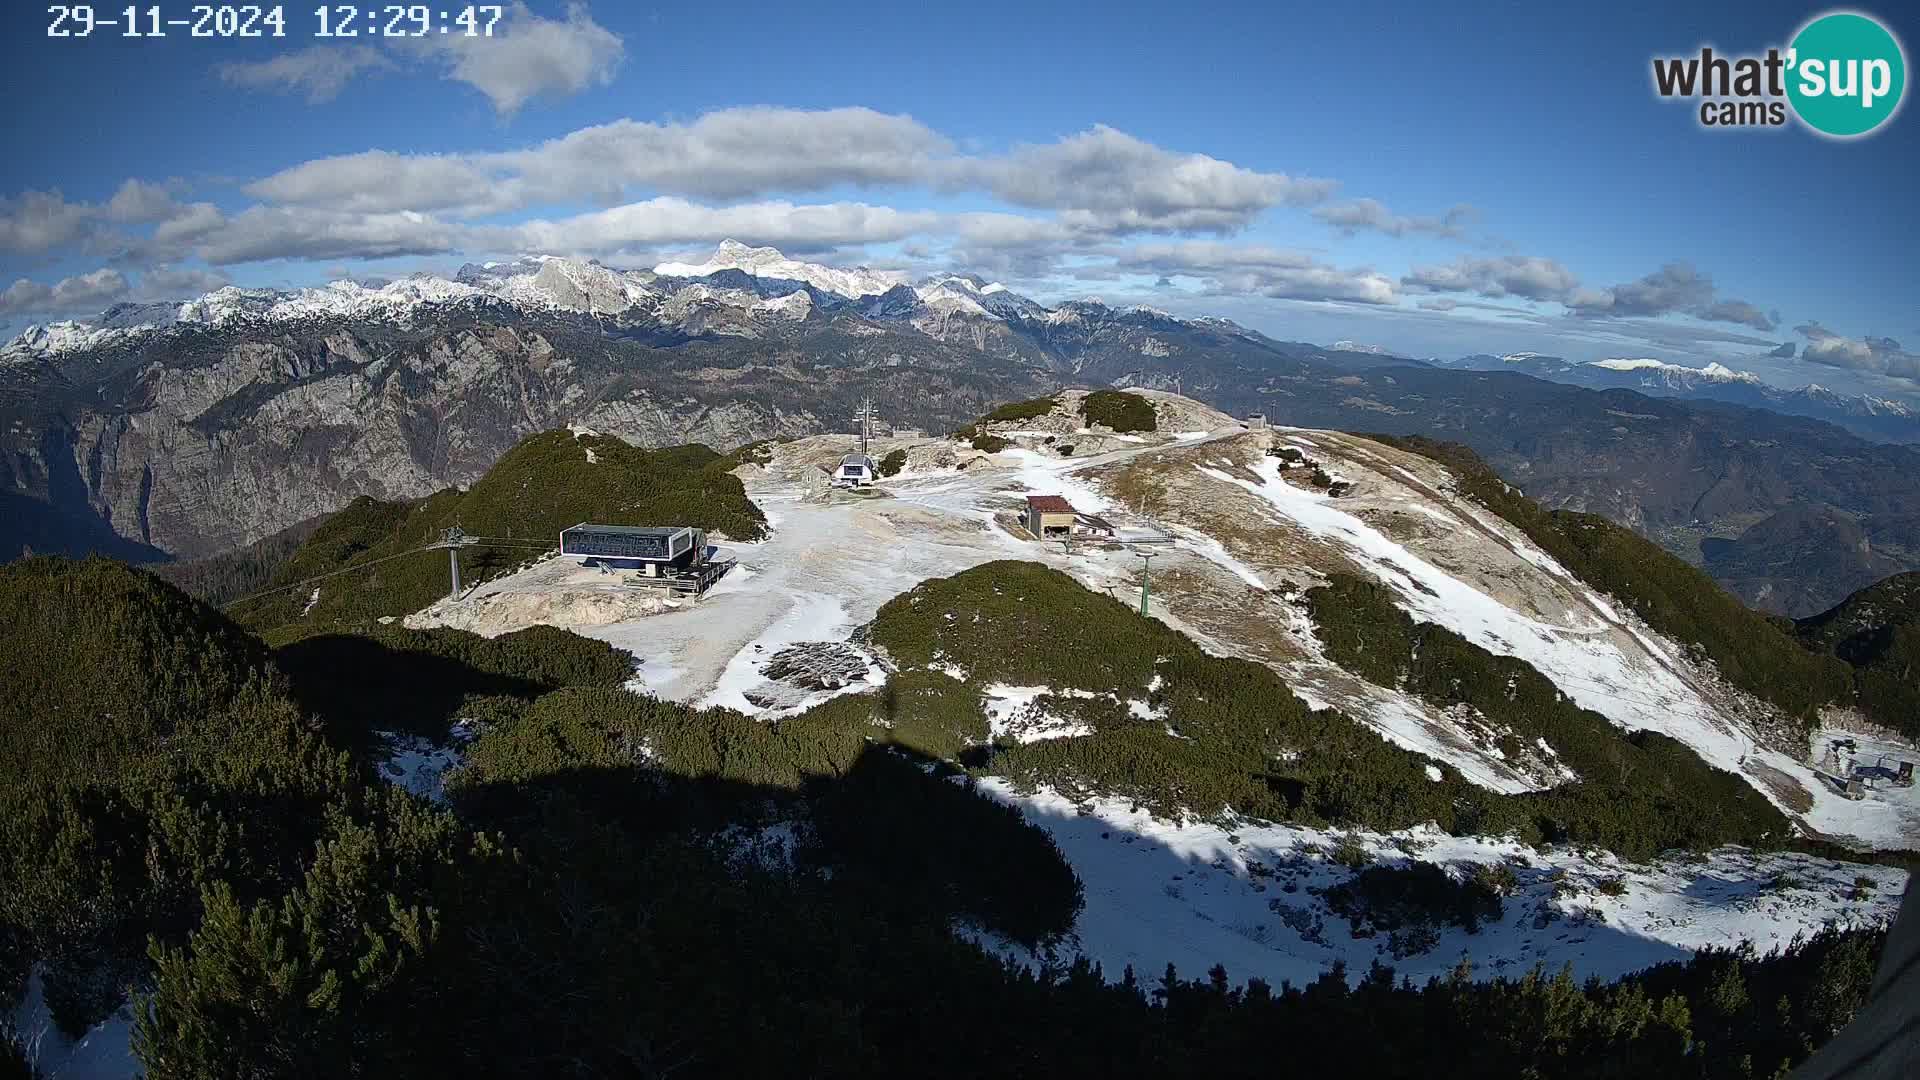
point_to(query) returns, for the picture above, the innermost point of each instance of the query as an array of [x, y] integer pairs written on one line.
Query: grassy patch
[[1020, 410]]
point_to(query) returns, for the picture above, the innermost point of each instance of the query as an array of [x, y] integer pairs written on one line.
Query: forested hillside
[[545, 484], [621, 886], [1877, 631]]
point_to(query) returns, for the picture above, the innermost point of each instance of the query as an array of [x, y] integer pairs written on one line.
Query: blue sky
[[1438, 179]]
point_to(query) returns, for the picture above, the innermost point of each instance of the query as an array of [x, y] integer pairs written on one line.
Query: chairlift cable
[[479, 541]]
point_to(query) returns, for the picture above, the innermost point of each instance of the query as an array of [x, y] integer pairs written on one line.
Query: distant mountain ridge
[[1870, 417]]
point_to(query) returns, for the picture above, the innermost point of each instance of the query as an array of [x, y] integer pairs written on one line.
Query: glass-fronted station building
[[677, 546]]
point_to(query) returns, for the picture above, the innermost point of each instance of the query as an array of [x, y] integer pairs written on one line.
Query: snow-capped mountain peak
[[953, 295], [1886, 406], [751, 280], [766, 262], [1713, 372]]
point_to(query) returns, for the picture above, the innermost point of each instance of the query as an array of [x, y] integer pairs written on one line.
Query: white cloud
[[90, 291], [1251, 270], [138, 201], [1676, 288], [1102, 182], [261, 233], [1109, 181], [319, 71], [668, 220], [39, 222], [528, 56], [1099, 183], [1875, 355], [178, 282], [729, 154], [378, 181], [1369, 214], [1512, 275], [264, 233], [35, 222]]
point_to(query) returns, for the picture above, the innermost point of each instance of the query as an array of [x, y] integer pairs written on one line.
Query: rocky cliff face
[[199, 459]]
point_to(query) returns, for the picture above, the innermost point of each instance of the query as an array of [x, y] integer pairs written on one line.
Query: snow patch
[[1013, 713], [105, 1052]]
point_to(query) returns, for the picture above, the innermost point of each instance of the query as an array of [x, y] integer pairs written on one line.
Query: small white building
[[854, 470]]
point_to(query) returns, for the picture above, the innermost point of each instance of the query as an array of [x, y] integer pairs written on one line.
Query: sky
[[1435, 179]]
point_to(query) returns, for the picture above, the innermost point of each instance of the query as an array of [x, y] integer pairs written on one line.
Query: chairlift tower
[[1146, 567], [453, 540]]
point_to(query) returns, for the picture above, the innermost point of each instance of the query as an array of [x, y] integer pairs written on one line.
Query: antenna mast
[[865, 419]]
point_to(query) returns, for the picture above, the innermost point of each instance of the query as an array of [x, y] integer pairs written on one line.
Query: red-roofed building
[[1050, 517]]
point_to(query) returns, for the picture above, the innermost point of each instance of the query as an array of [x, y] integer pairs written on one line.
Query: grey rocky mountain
[[187, 429]]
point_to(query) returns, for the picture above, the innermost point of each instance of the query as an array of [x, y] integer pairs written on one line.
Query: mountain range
[[185, 429], [1870, 417]]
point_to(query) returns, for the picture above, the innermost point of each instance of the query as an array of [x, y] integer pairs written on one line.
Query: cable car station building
[[674, 558], [651, 550]]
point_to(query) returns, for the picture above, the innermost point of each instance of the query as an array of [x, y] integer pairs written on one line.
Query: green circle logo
[[1846, 74]]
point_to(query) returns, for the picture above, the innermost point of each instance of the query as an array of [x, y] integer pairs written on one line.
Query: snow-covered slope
[[1246, 895]]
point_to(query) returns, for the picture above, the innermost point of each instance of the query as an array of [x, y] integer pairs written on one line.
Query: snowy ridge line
[[1520, 544], [670, 292], [1571, 656]]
